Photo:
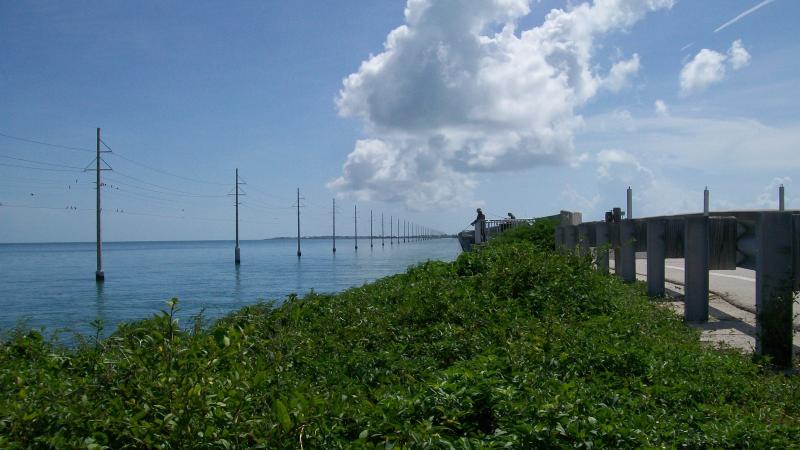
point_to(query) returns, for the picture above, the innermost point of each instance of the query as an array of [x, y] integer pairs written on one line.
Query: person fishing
[[508, 222], [482, 220]]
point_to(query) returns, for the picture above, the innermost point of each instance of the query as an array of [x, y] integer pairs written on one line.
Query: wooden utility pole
[[298, 223], [370, 228], [237, 254], [355, 223], [391, 231], [382, 243], [99, 275], [405, 231], [334, 225], [398, 231]]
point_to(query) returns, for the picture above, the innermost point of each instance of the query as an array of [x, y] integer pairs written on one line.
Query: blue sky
[[448, 115]]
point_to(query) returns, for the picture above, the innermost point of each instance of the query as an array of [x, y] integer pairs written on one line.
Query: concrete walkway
[[731, 303]]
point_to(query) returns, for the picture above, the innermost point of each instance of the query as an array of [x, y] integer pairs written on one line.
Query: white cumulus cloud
[[620, 74], [738, 56], [709, 67], [661, 108], [459, 90]]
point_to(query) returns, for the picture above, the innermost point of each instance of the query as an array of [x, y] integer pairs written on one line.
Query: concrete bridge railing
[[765, 241], [486, 230]]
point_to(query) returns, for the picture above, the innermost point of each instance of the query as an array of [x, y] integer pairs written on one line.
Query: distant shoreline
[[206, 240], [348, 237]]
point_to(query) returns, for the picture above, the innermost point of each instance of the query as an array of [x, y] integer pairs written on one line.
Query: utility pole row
[[417, 232]]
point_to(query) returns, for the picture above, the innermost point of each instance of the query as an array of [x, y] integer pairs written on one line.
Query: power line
[[252, 187], [249, 203], [180, 194], [116, 153], [172, 217], [46, 188], [267, 205], [39, 168], [40, 162], [133, 161], [140, 196], [117, 172], [38, 180], [48, 144], [120, 211], [67, 208]]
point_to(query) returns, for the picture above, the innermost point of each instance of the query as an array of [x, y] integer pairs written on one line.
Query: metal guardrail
[[765, 241], [496, 227], [486, 230]]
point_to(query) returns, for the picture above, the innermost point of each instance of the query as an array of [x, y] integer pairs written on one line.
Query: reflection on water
[[142, 276], [100, 302]]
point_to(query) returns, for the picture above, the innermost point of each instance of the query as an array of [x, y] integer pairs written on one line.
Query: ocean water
[[53, 286]]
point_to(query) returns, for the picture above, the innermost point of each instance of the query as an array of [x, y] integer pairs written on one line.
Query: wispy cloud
[[769, 196], [680, 142], [687, 46], [743, 15], [575, 201]]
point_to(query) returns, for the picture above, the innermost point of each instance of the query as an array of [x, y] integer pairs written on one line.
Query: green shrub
[[541, 233], [512, 346]]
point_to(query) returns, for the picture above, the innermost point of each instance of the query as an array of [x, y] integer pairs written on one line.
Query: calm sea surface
[[53, 286]]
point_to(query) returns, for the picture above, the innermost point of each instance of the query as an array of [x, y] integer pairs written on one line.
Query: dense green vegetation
[[513, 346]]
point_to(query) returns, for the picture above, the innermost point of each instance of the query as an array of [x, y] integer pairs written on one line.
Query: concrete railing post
[[695, 307], [601, 238], [583, 239], [559, 237], [479, 226], [629, 211], [627, 237], [796, 251], [656, 253], [570, 237], [774, 282], [613, 236]]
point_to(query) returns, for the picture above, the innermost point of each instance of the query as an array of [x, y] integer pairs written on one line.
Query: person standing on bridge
[[508, 222], [481, 220]]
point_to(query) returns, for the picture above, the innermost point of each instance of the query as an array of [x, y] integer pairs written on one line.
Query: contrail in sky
[[743, 15]]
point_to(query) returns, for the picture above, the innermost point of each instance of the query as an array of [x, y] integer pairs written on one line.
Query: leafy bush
[[540, 233], [512, 346]]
